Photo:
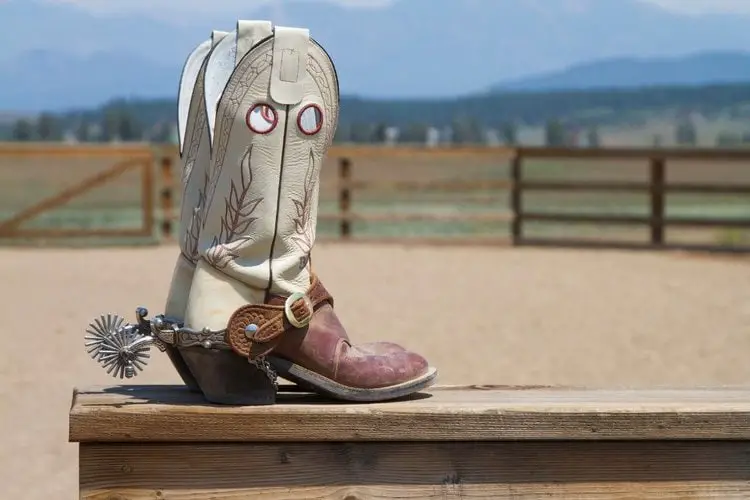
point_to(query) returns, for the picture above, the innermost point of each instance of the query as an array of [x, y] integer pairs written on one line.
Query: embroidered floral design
[[190, 239], [239, 85], [303, 226], [238, 216]]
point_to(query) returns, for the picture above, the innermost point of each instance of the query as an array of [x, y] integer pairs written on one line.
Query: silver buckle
[[290, 314]]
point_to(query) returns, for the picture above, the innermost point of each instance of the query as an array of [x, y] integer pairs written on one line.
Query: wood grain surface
[[354, 471], [472, 413]]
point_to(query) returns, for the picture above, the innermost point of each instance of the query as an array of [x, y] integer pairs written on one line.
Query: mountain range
[[58, 56]]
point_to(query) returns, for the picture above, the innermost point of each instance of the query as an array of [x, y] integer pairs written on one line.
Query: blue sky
[[62, 56], [168, 9]]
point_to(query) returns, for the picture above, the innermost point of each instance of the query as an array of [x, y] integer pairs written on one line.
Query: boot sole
[[327, 387], [228, 379]]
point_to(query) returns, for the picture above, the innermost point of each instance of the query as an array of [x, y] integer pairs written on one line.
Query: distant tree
[[572, 137], [160, 133], [360, 132], [611, 108], [554, 133], [414, 133], [83, 131], [656, 140], [726, 139], [467, 130], [592, 137], [47, 127], [128, 127], [509, 133], [110, 125], [378, 133], [686, 133], [343, 133], [23, 130]]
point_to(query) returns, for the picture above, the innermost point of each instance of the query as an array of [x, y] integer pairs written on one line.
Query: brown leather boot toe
[[320, 356]]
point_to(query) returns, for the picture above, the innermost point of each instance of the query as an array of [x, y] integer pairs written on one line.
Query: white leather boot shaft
[[188, 118], [195, 155], [274, 124], [195, 160], [179, 288]]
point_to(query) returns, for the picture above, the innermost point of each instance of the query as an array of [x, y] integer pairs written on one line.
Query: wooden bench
[[161, 442]]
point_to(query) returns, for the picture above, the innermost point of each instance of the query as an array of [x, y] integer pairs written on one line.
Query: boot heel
[[228, 379]]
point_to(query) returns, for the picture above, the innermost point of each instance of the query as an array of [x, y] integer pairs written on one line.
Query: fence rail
[[62, 175], [497, 196], [656, 188]]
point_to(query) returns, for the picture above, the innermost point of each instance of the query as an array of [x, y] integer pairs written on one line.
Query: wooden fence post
[[345, 197], [166, 196], [657, 174], [516, 206], [147, 195]]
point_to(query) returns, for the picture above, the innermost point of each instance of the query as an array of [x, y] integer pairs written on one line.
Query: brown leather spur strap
[[252, 328]]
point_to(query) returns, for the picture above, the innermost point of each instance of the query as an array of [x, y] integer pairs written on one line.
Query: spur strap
[[252, 328]]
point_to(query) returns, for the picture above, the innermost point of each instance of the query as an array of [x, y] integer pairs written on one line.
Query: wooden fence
[[39, 180], [504, 178], [656, 187]]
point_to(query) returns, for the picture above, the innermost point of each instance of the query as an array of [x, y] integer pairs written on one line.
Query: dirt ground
[[481, 315]]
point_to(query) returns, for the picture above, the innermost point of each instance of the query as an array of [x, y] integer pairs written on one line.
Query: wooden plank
[[359, 151], [33, 149], [445, 241], [516, 198], [633, 187], [696, 188], [147, 197], [348, 471], [657, 174], [572, 218], [441, 185], [713, 154], [345, 198], [631, 245], [171, 413], [60, 233], [574, 185], [356, 151], [418, 217]]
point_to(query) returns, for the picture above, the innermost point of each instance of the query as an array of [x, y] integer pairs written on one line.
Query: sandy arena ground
[[503, 316]]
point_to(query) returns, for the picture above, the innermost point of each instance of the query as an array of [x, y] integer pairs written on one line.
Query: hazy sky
[[160, 8]]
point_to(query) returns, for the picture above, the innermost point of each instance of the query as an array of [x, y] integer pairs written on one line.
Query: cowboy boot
[[193, 115], [253, 281], [191, 119]]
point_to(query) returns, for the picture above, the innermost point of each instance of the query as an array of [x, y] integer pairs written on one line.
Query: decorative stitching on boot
[[302, 226], [190, 240], [237, 218], [250, 68], [195, 136]]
